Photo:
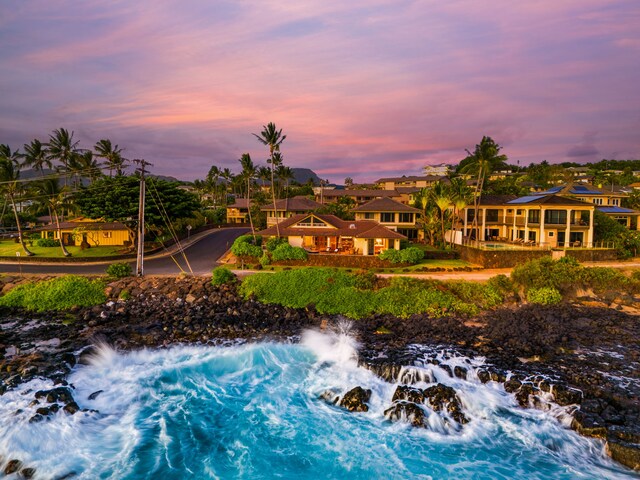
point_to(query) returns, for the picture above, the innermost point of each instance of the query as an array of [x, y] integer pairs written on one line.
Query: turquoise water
[[253, 412]]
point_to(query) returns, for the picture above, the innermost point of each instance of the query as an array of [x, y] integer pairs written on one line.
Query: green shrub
[[59, 293], [47, 242], [482, 295], [124, 295], [285, 251], [246, 246], [544, 296], [274, 242], [265, 260], [411, 255], [564, 275], [364, 280], [222, 276], [119, 270], [391, 255]]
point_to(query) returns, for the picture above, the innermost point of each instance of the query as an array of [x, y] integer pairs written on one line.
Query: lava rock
[[27, 473], [566, 396], [355, 400], [71, 408], [406, 410], [442, 397], [12, 467], [410, 394], [94, 395]]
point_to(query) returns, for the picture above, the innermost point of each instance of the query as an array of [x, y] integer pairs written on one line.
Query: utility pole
[[140, 257]]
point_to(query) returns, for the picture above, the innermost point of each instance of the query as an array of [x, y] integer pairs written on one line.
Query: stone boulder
[[402, 410], [355, 400], [444, 398]]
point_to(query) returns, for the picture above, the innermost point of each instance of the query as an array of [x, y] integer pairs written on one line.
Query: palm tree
[[112, 154], [61, 147], [228, 178], [285, 175], [213, 180], [85, 165], [55, 199], [248, 172], [273, 138], [9, 176], [461, 198], [442, 199], [484, 160], [35, 156]]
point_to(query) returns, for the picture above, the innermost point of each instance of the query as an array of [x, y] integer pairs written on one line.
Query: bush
[[411, 255], [544, 296], [285, 251], [47, 242], [119, 270], [265, 260], [61, 293], [246, 246], [391, 255], [274, 242], [364, 280], [222, 276]]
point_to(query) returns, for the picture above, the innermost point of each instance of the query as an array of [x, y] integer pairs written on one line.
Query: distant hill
[[303, 175]]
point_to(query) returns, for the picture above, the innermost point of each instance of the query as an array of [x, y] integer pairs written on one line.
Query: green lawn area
[[425, 264], [8, 248]]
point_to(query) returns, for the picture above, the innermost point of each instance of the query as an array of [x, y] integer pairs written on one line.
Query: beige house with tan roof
[[289, 207], [392, 214], [328, 234]]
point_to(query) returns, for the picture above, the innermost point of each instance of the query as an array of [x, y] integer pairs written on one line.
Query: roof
[[548, 200], [385, 205], [496, 199], [343, 228], [89, 225], [610, 210], [577, 189], [412, 178], [240, 203], [295, 204], [361, 193]]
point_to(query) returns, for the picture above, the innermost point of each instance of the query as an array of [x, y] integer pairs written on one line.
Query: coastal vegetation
[[222, 276], [119, 270], [62, 293]]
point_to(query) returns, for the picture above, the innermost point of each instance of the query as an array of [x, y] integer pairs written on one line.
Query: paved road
[[202, 253]]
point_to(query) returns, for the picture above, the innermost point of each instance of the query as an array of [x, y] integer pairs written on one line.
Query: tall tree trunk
[[253, 232], [273, 194], [20, 238], [64, 249]]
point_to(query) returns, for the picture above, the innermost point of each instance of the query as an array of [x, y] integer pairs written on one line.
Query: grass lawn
[[9, 248], [424, 264]]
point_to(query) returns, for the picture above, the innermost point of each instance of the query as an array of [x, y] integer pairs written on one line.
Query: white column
[[567, 233], [526, 224], [484, 217], [542, 237], [590, 231]]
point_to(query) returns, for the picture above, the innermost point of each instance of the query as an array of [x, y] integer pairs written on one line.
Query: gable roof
[[385, 205], [360, 193], [295, 204], [343, 228], [549, 200], [496, 199], [412, 178], [239, 203], [89, 225], [577, 189]]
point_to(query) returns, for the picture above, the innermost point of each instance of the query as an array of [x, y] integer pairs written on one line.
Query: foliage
[[285, 251], [244, 246], [544, 296], [341, 208], [391, 255], [222, 276], [354, 295], [46, 242], [119, 270], [411, 255], [61, 293], [607, 229], [483, 295], [274, 242], [265, 260]]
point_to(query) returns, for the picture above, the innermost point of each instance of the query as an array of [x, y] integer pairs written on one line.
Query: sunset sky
[[361, 88]]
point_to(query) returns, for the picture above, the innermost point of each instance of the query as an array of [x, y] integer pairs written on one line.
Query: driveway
[[200, 253]]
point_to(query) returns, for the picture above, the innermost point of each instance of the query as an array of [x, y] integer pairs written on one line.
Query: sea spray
[[253, 411]]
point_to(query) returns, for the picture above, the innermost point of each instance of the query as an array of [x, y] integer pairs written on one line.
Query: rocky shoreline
[[584, 356]]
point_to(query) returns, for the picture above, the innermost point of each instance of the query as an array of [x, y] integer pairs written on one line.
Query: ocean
[[253, 411]]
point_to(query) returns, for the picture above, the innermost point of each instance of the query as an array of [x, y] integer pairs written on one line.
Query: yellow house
[[238, 212], [392, 214], [328, 234], [419, 181], [548, 221], [289, 207], [93, 232]]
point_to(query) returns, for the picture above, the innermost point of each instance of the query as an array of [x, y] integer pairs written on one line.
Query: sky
[[361, 88]]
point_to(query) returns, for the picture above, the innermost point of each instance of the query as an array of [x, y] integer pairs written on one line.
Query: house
[[542, 220], [94, 232], [288, 207], [606, 201], [392, 214], [441, 169], [360, 197], [423, 181], [238, 212], [328, 234]]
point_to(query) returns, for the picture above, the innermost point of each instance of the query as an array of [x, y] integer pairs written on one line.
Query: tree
[[442, 198], [112, 154], [430, 222], [273, 138], [9, 176], [485, 159], [348, 182], [285, 175], [61, 147], [461, 197], [55, 199], [35, 156], [116, 199], [84, 165], [248, 173]]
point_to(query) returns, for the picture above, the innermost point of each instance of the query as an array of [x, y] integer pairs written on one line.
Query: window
[[519, 212], [615, 201], [369, 216], [406, 218], [491, 215], [555, 217], [597, 201], [387, 217], [534, 216], [470, 214], [107, 234]]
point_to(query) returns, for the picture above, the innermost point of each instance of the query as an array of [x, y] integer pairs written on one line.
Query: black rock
[[27, 473], [442, 397], [355, 400], [12, 467], [410, 394], [94, 395], [406, 410], [71, 408], [460, 372]]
